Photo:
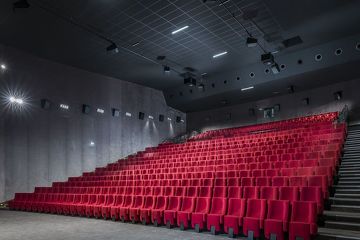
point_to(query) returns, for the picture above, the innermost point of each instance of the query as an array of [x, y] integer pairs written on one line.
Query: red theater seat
[[184, 215], [251, 192], [234, 192], [233, 220], [289, 193], [145, 210], [269, 193], [313, 194], [198, 217], [170, 214], [276, 222], [215, 218], [303, 220], [157, 213], [219, 192], [125, 206], [280, 181], [254, 218]]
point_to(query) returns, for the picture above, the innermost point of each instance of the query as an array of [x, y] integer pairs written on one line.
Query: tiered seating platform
[[270, 179]]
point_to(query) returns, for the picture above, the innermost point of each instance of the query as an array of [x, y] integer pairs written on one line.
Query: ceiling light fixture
[[247, 88], [128, 114], [112, 48], [179, 30], [151, 117], [99, 110], [64, 106], [3, 66], [219, 54], [251, 42]]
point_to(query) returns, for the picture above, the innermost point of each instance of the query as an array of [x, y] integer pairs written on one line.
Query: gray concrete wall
[[321, 100], [40, 146]]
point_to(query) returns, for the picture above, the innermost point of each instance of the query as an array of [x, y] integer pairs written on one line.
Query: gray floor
[[33, 226]]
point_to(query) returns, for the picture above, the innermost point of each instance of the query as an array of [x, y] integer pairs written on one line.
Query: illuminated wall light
[[3, 66], [179, 30], [169, 119], [182, 120], [16, 100], [99, 110], [92, 144], [128, 114], [64, 106], [247, 88], [219, 54], [151, 117]]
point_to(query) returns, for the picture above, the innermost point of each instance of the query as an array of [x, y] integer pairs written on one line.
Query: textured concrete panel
[[40, 146]]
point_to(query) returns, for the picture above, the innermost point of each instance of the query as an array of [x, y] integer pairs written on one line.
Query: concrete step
[[341, 216], [349, 167], [336, 234], [346, 187], [347, 177], [348, 172], [347, 195], [349, 164], [349, 183], [344, 175], [345, 201], [345, 208], [342, 225], [347, 191]]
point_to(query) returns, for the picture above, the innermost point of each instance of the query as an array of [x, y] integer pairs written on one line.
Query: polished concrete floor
[[33, 226]]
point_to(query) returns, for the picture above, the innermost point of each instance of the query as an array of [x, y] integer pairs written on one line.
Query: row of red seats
[[200, 213]]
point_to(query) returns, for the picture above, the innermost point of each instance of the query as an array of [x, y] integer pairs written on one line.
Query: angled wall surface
[[40, 146], [321, 100]]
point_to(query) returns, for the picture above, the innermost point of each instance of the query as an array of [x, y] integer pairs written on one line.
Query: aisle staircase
[[342, 221]]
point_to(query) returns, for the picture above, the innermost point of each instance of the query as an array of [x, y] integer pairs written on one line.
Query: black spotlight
[[141, 115], [338, 95], [291, 89], [45, 104], [21, 4], [251, 42], [305, 101], [275, 68], [86, 109], [161, 118], [112, 48], [115, 112], [166, 69], [267, 58], [190, 81]]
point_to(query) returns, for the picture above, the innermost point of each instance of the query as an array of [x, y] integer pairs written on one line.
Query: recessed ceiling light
[[219, 54], [180, 29], [247, 88], [128, 114]]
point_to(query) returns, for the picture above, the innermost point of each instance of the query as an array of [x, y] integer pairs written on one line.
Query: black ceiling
[[147, 24]]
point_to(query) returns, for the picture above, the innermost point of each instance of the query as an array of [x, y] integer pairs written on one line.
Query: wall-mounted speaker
[[141, 115], [291, 89], [45, 104], [277, 108], [115, 112], [86, 109], [161, 118], [178, 119], [305, 101], [338, 95]]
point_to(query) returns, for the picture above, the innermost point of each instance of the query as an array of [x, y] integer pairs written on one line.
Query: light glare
[[3, 66]]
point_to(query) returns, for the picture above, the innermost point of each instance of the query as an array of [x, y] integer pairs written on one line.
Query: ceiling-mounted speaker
[[141, 115], [251, 112], [45, 104], [291, 89], [277, 108], [161, 118], [305, 101], [338, 95], [115, 112], [86, 109]]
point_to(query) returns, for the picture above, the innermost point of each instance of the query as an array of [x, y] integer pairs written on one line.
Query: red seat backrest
[[234, 192], [289, 193], [278, 210], [202, 205], [236, 207], [269, 193], [218, 206], [256, 208]]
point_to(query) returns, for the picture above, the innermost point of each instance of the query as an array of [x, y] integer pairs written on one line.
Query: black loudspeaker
[[115, 112], [86, 109], [277, 108], [251, 112], [161, 118], [45, 104], [141, 115], [338, 95], [305, 101], [178, 119], [291, 89], [228, 117]]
